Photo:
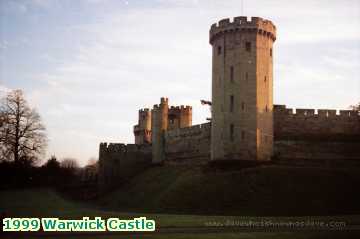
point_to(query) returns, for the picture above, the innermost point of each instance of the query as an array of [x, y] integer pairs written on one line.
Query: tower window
[[242, 134], [232, 132], [242, 105], [231, 103], [231, 73], [219, 50], [270, 51], [265, 79], [248, 46]]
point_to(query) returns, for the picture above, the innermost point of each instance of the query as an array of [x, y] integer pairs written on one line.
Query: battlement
[[311, 124], [256, 24], [324, 113], [164, 100], [189, 131], [178, 109], [145, 110], [124, 148]]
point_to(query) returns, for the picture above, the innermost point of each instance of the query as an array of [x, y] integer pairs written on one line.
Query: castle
[[245, 125]]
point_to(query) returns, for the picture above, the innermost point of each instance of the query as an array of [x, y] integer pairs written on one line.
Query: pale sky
[[89, 65]]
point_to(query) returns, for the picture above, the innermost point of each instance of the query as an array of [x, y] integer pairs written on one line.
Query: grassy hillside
[[268, 190], [47, 203]]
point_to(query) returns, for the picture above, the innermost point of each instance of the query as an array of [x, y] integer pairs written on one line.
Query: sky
[[87, 66]]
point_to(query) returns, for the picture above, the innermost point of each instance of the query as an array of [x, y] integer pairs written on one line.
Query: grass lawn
[[242, 235], [47, 203]]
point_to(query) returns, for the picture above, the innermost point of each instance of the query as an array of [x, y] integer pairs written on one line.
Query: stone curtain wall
[[119, 162], [298, 137], [302, 134], [189, 145], [326, 125]]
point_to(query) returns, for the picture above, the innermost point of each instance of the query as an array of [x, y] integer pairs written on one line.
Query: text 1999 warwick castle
[[245, 125]]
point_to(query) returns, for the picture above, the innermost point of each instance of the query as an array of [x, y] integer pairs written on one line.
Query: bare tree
[[22, 134]]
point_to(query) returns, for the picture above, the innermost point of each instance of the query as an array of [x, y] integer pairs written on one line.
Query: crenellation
[[242, 23], [144, 110], [324, 113], [240, 20], [122, 149], [164, 100], [326, 124], [305, 112], [189, 131], [224, 22], [346, 113]]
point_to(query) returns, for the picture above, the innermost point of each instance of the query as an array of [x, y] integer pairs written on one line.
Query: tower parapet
[[180, 117], [261, 26]]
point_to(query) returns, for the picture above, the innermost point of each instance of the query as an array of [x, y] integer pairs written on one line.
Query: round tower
[[242, 89], [142, 130]]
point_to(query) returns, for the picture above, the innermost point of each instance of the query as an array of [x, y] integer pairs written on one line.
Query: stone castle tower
[[165, 118], [159, 124], [142, 130], [242, 89]]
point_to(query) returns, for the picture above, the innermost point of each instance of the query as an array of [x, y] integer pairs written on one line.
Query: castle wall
[[302, 137], [188, 145], [326, 125], [119, 162], [302, 134], [294, 150]]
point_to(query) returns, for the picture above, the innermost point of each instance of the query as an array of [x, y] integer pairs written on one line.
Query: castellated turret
[[242, 89], [179, 117], [142, 130]]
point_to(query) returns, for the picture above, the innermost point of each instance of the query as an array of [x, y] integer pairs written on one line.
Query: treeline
[[21, 174]]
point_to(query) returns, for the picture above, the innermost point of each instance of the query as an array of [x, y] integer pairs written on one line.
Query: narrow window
[[231, 103], [231, 73], [242, 105], [246, 76], [270, 51], [232, 132], [242, 134], [265, 79], [219, 50], [266, 108], [248, 46]]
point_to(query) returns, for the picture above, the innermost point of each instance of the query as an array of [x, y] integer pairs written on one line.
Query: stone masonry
[[245, 124]]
